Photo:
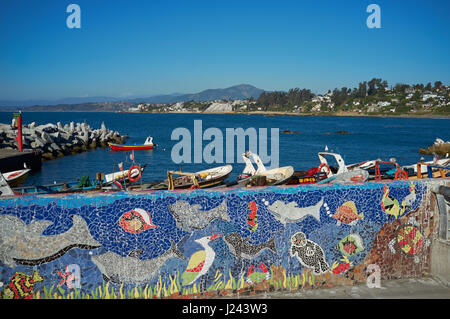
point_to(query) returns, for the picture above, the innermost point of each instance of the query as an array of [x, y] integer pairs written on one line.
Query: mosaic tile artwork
[[186, 244]]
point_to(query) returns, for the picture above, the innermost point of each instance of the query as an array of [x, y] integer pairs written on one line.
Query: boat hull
[[117, 147], [16, 178], [276, 176], [61, 188], [214, 177]]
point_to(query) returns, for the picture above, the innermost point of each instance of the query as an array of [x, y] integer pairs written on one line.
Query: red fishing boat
[[148, 145]]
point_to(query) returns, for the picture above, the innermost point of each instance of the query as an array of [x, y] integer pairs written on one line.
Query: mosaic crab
[[409, 240], [254, 277]]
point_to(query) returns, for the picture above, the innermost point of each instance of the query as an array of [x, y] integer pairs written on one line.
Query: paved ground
[[424, 288]]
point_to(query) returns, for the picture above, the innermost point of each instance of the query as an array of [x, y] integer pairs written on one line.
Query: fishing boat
[[432, 171], [366, 165], [133, 174], [148, 145], [15, 178], [201, 179], [110, 182], [5, 189], [412, 169], [340, 173], [310, 176], [56, 188], [261, 176]]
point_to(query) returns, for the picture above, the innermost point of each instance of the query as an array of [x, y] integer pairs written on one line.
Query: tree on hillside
[[362, 90], [284, 99], [400, 88]]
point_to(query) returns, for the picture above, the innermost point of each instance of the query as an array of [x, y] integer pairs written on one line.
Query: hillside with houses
[[372, 97]]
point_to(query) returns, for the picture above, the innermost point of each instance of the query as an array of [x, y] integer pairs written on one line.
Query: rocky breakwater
[[58, 140]]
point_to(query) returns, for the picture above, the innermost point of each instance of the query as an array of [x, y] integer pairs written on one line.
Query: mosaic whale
[[192, 217], [131, 269], [25, 244]]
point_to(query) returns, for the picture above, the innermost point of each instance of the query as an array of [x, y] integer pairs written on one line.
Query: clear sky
[[143, 48]]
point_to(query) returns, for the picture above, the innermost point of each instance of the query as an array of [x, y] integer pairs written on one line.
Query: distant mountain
[[237, 92], [82, 107], [157, 99], [68, 100]]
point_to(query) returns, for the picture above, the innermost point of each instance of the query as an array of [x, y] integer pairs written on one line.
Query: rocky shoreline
[[56, 140], [439, 148]]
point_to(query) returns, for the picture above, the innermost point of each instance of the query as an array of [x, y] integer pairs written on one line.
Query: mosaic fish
[[136, 221], [241, 248], [291, 213], [310, 254], [21, 286], [347, 214], [25, 244], [341, 267], [131, 269], [192, 217], [252, 216]]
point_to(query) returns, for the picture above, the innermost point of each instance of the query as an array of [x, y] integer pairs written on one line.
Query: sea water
[[367, 138]]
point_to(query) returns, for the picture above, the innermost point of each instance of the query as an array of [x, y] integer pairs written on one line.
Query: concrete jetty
[[12, 160]]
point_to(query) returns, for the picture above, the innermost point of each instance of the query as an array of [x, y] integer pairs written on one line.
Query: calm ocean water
[[367, 138]]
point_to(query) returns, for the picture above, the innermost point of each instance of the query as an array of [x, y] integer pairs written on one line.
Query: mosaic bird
[[200, 261], [390, 205], [411, 198]]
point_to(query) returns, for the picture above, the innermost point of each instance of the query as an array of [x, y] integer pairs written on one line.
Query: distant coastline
[[374, 98], [265, 113]]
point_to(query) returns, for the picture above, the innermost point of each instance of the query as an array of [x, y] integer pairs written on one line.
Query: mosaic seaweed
[[200, 243]]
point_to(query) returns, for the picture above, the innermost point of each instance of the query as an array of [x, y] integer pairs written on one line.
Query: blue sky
[[143, 48]]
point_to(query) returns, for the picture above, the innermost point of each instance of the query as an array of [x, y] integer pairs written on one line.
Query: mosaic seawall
[[202, 244]]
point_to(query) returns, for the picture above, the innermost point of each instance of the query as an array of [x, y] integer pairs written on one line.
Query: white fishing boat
[[423, 168], [15, 178], [363, 165], [134, 172], [5, 189], [275, 176], [204, 179], [342, 173]]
